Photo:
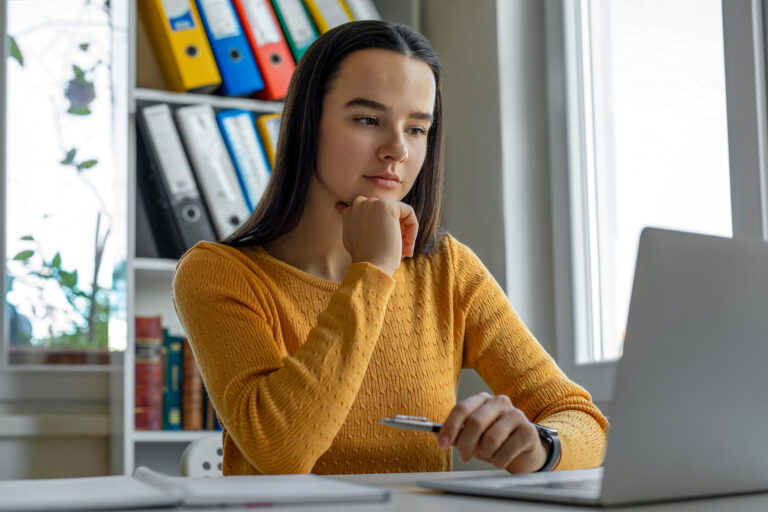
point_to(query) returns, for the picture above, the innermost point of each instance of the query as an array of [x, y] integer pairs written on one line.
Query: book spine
[[172, 383], [191, 391], [148, 396]]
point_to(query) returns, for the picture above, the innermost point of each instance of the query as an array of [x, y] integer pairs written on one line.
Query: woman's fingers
[[409, 228], [456, 419], [493, 430], [478, 423], [379, 231]]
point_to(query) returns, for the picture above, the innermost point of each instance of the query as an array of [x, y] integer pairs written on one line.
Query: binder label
[[297, 22], [333, 12], [264, 28], [221, 17], [207, 145], [179, 14], [248, 154], [170, 151]]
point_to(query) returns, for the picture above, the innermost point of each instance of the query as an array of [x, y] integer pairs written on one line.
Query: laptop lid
[[691, 392]]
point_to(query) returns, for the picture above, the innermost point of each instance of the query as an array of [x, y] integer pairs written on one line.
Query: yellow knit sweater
[[301, 369]]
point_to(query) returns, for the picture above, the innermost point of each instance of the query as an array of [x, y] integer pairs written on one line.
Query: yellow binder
[[328, 13], [269, 129], [179, 41]]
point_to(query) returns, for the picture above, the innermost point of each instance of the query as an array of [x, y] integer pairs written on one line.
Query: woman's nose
[[394, 148]]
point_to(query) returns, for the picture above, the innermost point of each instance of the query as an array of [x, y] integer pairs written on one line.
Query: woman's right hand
[[379, 231]]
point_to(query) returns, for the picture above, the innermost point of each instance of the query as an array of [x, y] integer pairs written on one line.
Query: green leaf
[[15, 52], [87, 164], [68, 279], [84, 46], [56, 261], [79, 73], [24, 255], [70, 157], [27, 238]]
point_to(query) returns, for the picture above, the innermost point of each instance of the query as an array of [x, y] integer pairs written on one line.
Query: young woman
[[339, 303]]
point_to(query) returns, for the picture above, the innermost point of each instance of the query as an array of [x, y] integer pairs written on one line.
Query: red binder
[[273, 56]]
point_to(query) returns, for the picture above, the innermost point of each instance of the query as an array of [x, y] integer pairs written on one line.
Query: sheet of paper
[[93, 493]]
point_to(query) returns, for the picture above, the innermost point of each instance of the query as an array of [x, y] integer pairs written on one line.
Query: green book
[[297, 26], [172, 382]]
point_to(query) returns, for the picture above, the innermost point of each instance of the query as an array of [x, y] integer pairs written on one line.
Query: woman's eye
[[417, 131], [368, 121]]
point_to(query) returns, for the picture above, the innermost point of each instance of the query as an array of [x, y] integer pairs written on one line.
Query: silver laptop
[[690, 400]]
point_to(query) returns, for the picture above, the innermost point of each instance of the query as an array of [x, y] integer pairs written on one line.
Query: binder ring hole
[[191, 213], [235, 54], [234, 221], [275, 58], [206, 465], [219, 452], [191, 50]]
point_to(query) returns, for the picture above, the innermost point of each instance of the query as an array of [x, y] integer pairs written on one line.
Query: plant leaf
[[24, 255], [68, 279], [15, 52], [27, 238], [88, 164], [84, 46], [79, 73], [70, 157], [56, 261]]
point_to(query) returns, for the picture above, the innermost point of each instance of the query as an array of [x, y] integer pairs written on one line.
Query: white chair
[[203, 457]]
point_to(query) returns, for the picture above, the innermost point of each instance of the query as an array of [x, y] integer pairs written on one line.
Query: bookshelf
[[149, 278]]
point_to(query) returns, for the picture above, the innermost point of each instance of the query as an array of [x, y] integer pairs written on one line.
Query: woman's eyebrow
[[363, 102]]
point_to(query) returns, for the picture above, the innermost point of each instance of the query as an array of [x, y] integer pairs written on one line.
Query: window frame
[[745, 75]]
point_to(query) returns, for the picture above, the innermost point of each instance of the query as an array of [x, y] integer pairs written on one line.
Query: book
[[172, 381], [148, 388], [147, 488], [191, 390], [210, 420]]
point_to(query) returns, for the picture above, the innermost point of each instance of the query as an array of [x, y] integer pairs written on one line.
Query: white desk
[[406, 496]]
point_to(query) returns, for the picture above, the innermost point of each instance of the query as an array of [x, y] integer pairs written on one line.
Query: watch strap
[[555, 450]]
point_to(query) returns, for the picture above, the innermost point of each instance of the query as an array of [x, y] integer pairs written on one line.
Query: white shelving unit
[[149, 283], [149, 279]]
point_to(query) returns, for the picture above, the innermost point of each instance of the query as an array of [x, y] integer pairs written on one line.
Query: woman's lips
[[383, 182]]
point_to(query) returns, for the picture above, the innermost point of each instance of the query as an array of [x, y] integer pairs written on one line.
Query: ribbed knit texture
[[300, 369]]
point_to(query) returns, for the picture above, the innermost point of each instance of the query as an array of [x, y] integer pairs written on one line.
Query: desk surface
[[406, 496]]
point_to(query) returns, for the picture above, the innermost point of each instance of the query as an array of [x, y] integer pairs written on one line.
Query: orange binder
[[273, 56], [178, 38]]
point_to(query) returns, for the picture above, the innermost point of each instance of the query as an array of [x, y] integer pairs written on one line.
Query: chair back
[[203, 457]]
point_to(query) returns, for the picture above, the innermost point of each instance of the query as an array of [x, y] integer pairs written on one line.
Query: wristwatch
[[553, 439]]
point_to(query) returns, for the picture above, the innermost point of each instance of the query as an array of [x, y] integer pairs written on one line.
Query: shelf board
[[187, 98], [170, 436]]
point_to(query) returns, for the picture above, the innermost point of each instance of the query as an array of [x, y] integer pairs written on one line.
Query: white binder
[[213, 168], [363, 10]]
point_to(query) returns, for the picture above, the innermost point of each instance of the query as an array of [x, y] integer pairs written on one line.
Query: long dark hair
[[283, 202]]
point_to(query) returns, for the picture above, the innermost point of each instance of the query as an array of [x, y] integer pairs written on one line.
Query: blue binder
[[239, 131], [239, 74]]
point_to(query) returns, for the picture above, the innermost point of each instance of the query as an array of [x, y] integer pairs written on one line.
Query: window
[[64, 182], [645, 133], [655, 143]]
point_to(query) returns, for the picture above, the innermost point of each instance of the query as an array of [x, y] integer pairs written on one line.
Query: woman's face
[[373, 129]]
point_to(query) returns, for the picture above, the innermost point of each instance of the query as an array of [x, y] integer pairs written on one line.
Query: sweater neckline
[[311, 279]]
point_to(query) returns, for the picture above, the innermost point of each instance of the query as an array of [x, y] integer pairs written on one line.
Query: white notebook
[[147, 488]]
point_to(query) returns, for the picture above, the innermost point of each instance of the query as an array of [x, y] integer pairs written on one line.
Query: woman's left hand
[[491, 429]]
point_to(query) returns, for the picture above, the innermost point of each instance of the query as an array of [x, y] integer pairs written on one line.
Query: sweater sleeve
[[282, 411], [512, 362]]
